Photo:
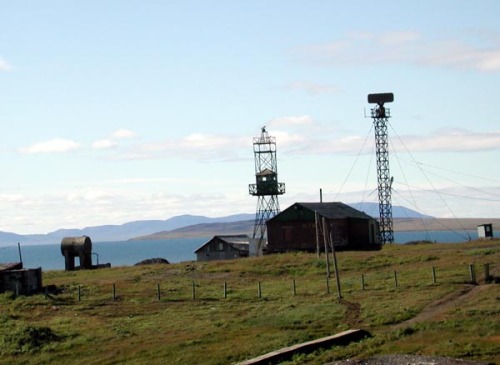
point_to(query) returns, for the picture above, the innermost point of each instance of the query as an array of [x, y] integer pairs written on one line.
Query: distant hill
[[132, 229], [246, 227], [120, 232], [397, 210], [203, 230], [175, 227]]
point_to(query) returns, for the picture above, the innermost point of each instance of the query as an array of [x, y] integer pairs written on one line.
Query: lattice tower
[[266, 187], [380, 115]]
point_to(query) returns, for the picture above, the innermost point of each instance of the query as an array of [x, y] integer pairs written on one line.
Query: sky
[[114, 111]]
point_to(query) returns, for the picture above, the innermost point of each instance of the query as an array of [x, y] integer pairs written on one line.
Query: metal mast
[[266, 187], [381, 116]]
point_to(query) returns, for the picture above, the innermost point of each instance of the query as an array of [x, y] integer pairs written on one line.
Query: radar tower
[[380, 115]]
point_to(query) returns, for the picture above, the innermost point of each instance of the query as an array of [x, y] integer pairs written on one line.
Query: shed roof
[[336, 210], [7, 266], [240, 241], [332, 210], [266, 172]]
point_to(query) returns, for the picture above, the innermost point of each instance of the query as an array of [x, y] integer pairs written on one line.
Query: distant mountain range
[[178, 226], [120, 232], [397, 211]]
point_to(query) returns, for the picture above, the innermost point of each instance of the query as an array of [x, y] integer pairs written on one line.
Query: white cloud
[[56, 145], [449, 140], [111, 142], [98, 196], [405, 47], [301, 120], [92, 207], [12, 198], [395, 38], [312, 88], [453, 140], [4, 65], [302, 135], [200, 147], [122, 134], [104, 144]]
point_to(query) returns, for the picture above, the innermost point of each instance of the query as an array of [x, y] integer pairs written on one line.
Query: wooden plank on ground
[[339, 339]]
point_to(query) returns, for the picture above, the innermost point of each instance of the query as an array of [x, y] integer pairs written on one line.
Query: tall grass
[[137, 327]]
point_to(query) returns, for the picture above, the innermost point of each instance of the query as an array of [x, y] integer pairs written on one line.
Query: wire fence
[[269, 288]]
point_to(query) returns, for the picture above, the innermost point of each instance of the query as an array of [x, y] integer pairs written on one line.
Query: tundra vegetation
[[228, 311]]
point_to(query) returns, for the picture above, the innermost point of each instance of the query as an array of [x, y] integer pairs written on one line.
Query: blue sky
[[127, 110]]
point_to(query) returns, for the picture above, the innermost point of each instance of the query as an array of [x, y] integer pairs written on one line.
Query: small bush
[[27, 340]]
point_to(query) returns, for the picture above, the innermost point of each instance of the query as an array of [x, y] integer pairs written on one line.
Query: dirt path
[[434, 311], [437, 309]]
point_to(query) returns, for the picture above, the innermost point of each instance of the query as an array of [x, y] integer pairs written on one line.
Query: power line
[[436, 221], [353, 164], [428, 180], [418, 164], [460, 173], [450, 194]]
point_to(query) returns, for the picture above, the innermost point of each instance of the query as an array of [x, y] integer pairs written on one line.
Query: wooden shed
[[224, 248], [295, 228], [20, 281]]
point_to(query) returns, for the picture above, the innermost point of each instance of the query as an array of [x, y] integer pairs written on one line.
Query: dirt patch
[[352, 314]]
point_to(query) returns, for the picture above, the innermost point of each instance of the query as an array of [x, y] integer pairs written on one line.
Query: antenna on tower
[[381, 115], [266, 187]]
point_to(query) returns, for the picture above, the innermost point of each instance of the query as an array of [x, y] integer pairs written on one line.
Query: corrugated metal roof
[[237, 239], [240, 241]]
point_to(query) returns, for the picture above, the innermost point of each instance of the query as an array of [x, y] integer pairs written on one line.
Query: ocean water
[[127, 253], [121, 253], [437, 236]]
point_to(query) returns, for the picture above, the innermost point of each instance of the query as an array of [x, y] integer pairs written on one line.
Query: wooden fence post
[[335, 266], [487, 276], [79, 293], [362, 281], [114, 292], [472, 272], [158, 292], [396, 278], [225, 290], [294, 288], [433, 275], [325, 238], [259, 290]]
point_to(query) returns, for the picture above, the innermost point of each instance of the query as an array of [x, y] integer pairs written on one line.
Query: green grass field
[[270, 302]]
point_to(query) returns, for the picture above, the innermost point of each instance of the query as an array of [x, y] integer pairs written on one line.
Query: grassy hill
[[189, 320]]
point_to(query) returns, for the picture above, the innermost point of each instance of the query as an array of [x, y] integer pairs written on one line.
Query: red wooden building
[[295, 229]]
